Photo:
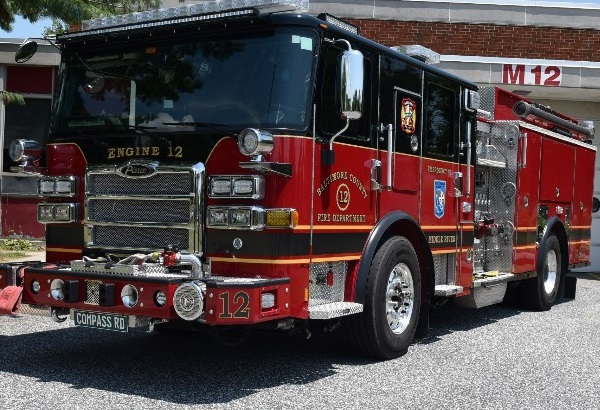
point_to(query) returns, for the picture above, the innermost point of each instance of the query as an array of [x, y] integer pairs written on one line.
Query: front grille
[[143, 214], [162, 211], [131, 237], [161, 183]]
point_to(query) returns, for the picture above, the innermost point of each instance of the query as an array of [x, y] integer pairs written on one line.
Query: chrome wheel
[[399, 298], [550, 272]]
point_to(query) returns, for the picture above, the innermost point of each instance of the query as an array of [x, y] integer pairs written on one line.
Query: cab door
[[441, 188]]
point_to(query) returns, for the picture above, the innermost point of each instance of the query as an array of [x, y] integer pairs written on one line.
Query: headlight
[[240, 217], [253, 142], [237, 186], [62, 212], [58, 213], [220, 186], [57, 186], [45, 212], [243, 186], [65, 186], [46, 186], [236, 217], [217, 217]]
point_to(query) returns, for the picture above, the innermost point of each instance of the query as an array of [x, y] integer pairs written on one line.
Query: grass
[[10, 255]]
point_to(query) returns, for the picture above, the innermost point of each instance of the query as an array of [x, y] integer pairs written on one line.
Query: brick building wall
[[487, 40]]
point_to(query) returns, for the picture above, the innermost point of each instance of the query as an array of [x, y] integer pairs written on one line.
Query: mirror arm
[[341, 40], [338, 134]]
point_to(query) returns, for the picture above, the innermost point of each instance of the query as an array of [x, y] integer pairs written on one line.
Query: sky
[[23, 28]]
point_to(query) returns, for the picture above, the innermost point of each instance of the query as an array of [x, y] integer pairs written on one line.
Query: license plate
[[106, 321]]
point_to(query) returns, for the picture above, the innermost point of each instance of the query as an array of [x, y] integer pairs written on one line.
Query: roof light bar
[[419, 52], [194, 12], [338, 23]]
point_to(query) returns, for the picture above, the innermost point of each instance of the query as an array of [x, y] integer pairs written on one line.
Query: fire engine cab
[[234, 165]]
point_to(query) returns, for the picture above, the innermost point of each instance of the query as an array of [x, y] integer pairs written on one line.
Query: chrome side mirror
[[26, 51], [352, 83]]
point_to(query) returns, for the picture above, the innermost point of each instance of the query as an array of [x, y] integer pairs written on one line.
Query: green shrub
[[17, 245]]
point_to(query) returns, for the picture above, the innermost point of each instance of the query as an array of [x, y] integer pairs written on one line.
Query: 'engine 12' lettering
[[130, 152]]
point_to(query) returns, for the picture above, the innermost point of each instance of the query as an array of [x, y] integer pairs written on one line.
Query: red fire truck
[[235, 165]]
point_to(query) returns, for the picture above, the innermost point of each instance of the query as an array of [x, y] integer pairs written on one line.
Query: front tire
[[541, 292], [386, 327]]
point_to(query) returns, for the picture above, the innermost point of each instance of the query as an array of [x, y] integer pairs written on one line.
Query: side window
[[330, 119], [440, 111]]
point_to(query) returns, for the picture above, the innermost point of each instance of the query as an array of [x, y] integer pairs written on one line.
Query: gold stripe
[[439, 228], [337, 258], [582, 227], [444, 251], [580, 242], [523, 247], [526, 228], [64, 250], [341, 227]]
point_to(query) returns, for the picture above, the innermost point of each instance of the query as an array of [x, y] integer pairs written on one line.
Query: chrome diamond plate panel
[[445, 269], [92, 292], [332, 310], [320, 292], [495, 196]]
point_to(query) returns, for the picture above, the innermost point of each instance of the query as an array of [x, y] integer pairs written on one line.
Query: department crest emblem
[[408, 116], [439, 198]]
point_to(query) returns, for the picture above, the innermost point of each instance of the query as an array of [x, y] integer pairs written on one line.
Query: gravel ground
[[493, 358]]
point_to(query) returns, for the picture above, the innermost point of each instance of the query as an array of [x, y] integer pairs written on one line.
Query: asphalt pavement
[[493, 358]]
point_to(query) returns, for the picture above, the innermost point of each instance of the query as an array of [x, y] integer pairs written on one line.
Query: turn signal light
[[282, 218]]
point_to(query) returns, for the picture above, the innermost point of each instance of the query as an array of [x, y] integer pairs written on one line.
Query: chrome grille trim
[[145, 213]]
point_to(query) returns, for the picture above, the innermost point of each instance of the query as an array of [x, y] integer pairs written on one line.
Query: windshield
[[262, 81]]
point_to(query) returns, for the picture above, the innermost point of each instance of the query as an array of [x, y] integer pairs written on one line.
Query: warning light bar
[[189, 13]]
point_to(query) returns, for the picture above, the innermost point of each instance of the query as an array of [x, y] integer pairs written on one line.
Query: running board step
[[491, 281], [486, 291], [334, 309], [447, 290]]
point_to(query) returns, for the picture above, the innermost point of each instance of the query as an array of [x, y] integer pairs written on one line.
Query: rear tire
[[386, 327], [540, 293]]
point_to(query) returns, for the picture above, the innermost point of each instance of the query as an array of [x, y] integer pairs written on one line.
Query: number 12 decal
[[240, 303]]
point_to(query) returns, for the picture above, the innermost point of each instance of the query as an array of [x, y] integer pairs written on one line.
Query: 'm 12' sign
[[549, 75]]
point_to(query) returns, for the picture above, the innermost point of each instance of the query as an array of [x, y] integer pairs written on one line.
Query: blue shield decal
[[439, 198]]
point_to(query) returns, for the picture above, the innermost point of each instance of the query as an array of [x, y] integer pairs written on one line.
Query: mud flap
[[10, 300], [570, 287], [423, 323]]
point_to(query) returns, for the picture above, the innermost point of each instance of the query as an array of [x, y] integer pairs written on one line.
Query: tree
[[64, 13], [69, 12]]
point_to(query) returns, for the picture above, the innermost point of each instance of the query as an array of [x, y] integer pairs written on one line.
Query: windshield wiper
[[212, 126]]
